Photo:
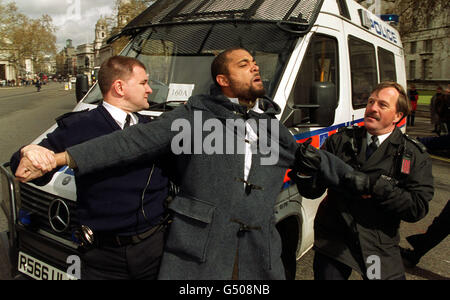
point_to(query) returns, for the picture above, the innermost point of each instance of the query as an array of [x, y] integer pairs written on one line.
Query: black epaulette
[[69, 114], [418, 144]]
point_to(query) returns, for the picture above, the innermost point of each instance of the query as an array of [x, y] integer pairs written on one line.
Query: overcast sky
[[74, 19]]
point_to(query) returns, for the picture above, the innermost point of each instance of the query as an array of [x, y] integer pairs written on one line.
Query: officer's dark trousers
[[140, 261], [326, 268]]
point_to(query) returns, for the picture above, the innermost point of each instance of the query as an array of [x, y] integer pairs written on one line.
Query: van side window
[[363, 70], [320, 65], [386, 64]]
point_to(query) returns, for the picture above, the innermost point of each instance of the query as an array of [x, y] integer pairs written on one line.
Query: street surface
[[25, 114]]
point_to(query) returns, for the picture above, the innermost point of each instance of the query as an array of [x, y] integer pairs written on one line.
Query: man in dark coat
[[424, 242], [356, 226], [223, 224], [124, 206]]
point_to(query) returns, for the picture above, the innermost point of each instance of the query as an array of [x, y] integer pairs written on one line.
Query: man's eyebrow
[[378, 99], [245, 60]]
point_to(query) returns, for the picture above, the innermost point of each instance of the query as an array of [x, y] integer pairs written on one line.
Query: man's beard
[[250, 94]]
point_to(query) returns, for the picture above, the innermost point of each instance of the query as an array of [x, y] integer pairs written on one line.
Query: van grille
[[38, 202], [164, 11]]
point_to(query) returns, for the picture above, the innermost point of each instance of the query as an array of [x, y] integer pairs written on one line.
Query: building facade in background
[[425, 34], [8, 70]]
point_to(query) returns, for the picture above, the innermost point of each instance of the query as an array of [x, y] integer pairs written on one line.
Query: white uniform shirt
[[252, 137], [381, 138], [119, 115]]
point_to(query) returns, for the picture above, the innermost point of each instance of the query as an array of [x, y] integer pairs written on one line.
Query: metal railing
[[8, 201]]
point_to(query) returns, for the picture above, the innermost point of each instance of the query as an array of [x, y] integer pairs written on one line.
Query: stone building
[[102, 32], [427, 53], [85, 58], [126, 11], [66, 61], [8, 70]]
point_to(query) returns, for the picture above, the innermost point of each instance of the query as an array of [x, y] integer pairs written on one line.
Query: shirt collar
[[255, 108], [381, 138], [119, 115]]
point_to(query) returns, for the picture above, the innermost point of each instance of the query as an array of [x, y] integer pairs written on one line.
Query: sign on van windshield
[[179, 92]]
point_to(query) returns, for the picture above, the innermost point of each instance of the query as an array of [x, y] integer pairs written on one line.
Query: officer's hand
[[26, 171], [357, 182], [307, 159], [41, 157], [384, 186]]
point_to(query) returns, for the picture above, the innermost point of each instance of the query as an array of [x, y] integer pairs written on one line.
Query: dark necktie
[[372, 147], [127, 121]]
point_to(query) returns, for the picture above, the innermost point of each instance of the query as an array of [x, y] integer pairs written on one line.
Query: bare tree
[[419, 14], [30, 38], [414, 14]]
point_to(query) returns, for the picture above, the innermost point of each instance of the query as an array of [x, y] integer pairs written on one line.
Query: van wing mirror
[[82, 86], [323, 104]]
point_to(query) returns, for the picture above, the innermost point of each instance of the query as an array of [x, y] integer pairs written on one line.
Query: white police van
[[318, 60]]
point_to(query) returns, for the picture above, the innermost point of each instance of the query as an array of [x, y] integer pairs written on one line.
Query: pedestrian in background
[[413, 96], [434, 116], [443, 110]]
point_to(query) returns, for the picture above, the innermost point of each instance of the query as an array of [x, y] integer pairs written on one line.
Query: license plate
[[39, 270]]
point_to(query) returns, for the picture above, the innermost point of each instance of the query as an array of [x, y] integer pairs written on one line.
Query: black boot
[[410, 257]]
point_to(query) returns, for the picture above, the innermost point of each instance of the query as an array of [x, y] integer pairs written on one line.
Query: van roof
[[300, 12]]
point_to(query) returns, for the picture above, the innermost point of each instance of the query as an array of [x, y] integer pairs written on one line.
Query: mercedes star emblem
[[59, 215]]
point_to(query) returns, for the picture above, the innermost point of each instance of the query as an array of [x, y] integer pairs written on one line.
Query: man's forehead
[[386, 94], [239, 55], [138, 70]]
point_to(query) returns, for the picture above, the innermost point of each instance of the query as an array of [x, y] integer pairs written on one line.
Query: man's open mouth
[[257, 79]]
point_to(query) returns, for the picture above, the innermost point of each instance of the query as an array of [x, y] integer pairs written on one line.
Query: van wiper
[[165, 106], [161, 107]]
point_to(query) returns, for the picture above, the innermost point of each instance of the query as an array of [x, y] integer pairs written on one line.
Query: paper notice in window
[[179, 92]]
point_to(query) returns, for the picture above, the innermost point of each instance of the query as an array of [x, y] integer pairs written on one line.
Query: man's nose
[[149, 89], [255, 67], [373, 108]]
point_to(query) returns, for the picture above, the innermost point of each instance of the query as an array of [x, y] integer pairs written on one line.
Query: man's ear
[[398, 117], [117, 87], [222, 80]]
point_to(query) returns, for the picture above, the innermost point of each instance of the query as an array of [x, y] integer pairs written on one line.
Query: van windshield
[[178, 57]]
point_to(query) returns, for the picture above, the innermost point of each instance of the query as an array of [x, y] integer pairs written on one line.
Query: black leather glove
[[307, 159], [358, 182], [384, 186]]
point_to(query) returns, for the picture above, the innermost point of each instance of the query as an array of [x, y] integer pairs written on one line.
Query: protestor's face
[[243, 76], [136, 90], [381, 113]]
